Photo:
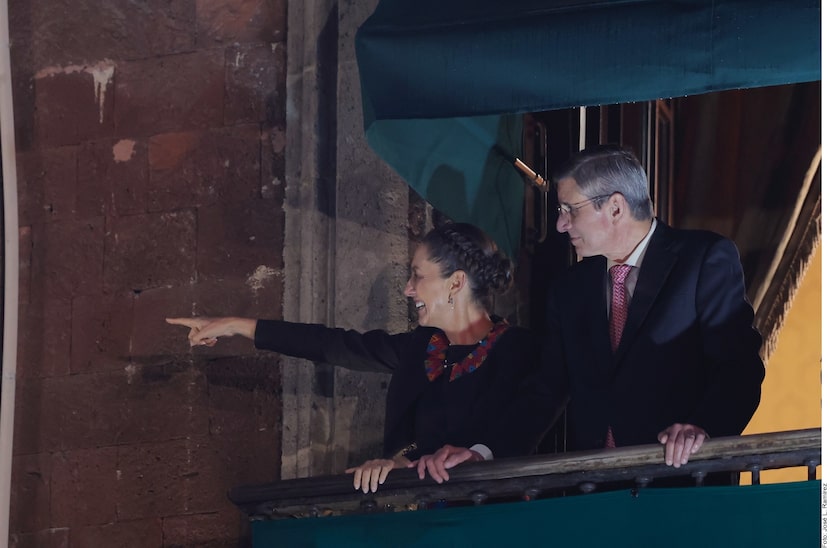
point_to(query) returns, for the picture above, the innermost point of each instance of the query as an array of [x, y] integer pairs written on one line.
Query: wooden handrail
[[529, 477]]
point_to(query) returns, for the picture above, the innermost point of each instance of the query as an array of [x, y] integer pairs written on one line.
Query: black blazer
[[688, 353], [472, 404]]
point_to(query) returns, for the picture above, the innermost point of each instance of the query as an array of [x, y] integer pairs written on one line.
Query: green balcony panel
[[759, 516]]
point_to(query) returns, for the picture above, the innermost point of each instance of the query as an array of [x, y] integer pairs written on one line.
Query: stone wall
[[151, 163], [346, 244]]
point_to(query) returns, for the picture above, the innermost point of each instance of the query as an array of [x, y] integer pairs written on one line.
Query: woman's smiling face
[[428, 290]]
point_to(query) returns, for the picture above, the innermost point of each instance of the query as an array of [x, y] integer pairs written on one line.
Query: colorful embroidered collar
[[436, 360]]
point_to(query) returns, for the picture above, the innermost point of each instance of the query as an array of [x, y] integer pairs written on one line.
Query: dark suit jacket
[[688, 353], [461, 412]]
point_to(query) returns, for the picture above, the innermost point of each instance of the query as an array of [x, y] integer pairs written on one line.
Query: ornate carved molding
[[774, 296]]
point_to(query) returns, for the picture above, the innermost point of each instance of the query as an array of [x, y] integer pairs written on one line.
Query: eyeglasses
[[570, 209]]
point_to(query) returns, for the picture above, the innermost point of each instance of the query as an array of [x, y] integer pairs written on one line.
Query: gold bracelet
[[406, 450]]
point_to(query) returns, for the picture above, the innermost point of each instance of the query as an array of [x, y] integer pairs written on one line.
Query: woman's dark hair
[[462, 246]]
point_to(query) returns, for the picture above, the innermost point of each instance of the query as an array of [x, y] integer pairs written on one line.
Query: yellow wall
[[791, 393]]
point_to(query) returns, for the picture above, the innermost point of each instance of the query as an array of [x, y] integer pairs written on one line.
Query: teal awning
[[439, 62], [461, 166]]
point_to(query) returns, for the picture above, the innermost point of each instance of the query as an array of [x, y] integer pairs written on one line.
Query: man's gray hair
[[606, 169]]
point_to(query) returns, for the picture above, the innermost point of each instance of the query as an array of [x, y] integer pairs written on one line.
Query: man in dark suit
[[683, 364], [668, 353]]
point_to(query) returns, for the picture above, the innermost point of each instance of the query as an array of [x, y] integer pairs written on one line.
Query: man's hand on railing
[[681, 441], [442, 460], [373, 472]]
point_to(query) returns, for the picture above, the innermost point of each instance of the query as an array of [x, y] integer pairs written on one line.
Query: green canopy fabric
[[461, 166], [452, 58], [441, 62]]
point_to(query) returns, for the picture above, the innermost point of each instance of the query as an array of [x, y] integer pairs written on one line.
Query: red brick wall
[[150, 164]]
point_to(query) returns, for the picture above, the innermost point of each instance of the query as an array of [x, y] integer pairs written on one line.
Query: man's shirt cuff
[[482, 450]]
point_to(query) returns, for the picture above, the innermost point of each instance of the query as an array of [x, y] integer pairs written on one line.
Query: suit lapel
[[595, 311], [657, 263]]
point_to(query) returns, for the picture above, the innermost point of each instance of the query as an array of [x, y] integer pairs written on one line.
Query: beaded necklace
[[436, 360]]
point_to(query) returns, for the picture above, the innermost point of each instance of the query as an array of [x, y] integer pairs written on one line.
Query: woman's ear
[[457, 280]]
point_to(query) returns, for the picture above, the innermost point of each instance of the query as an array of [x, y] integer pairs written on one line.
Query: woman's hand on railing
[[373, 472], [442, 460], [681, 441]]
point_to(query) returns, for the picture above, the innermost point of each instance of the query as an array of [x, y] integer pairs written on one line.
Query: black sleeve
[[731, 345], [371, 351], [537, 401]]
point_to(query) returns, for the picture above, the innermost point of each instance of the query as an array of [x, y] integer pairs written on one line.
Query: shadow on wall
[[448, 186]]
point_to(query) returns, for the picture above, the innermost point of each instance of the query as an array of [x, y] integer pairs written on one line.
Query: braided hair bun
[[462, 246]]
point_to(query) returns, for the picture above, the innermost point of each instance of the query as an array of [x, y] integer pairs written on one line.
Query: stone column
[[346, 244]]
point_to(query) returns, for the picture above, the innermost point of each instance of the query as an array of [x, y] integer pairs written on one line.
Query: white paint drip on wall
[[256, 281], [102, 78], [101, 72], [131, 370]]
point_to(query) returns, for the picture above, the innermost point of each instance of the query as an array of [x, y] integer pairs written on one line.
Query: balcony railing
[[529, 478]]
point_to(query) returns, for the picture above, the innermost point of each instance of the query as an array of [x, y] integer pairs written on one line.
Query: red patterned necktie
[[617, 317], [619, 303]]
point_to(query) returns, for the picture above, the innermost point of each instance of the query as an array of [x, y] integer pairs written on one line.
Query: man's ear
[[617, 206]]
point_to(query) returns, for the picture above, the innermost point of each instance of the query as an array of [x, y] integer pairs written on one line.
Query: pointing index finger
[[187, 322]]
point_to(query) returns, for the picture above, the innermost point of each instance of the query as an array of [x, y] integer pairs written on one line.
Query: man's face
[[589, 229]]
